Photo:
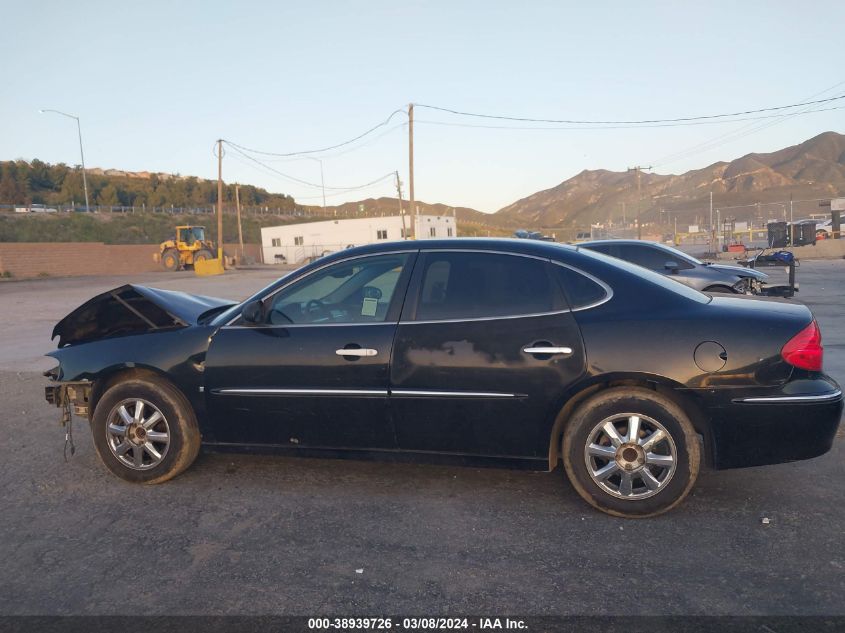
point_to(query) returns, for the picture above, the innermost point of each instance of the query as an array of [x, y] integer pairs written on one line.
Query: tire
[[170, 259], [721, 289], [203, 254], [122, 444], [671, 480]]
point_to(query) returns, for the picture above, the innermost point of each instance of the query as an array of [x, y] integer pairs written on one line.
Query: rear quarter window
[[580, 290]]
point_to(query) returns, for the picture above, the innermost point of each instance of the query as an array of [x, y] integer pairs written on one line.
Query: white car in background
[[824, 230], [42, 208]]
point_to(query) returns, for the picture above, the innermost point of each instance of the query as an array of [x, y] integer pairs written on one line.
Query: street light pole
[[81, 152]]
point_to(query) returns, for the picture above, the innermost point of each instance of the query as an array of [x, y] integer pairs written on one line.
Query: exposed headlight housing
[[742, 286]]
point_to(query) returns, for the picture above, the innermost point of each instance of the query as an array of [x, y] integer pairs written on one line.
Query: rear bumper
[[756, 430]]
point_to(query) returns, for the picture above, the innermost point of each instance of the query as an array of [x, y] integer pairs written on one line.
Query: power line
[[272, 172], [730, 137], [624, 127], [741, 132], [315, 197], [639, 122], [369, 143], [338, 190], [340, 193], [275, 171], [322, 149], [299, 180]]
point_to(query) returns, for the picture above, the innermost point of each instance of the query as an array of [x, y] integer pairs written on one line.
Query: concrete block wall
[[824, 249], [68, 259], [72, 259]]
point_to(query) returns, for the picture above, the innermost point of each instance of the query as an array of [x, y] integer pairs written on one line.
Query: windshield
[[192, 234], [235, 310]]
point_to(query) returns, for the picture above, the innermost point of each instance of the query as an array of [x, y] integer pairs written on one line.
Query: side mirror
[[671, 266], [253, 311]]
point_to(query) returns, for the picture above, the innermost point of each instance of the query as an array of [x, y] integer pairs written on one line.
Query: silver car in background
[[681, 267]]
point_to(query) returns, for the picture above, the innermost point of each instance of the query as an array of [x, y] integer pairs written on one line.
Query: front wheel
[[631, 452], [721, 289], [145, 430], [203, 255]]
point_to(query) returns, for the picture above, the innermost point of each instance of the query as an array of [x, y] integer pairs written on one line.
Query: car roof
[[510, 245], [626, 242]]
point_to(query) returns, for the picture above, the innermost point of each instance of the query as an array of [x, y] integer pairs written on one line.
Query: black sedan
[[521, 351]]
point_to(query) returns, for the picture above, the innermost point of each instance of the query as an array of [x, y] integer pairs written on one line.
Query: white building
[[295, 243]]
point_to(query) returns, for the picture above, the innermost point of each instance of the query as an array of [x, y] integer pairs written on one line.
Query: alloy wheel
[[138, 434], [630, 456]]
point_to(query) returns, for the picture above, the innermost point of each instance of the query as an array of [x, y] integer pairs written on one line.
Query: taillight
[[805, 349]]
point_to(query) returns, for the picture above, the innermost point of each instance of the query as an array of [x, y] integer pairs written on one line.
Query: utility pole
[[639, 171], [718, 237], [712, 229], [240, 230], [322, 185], [220, 201], [624, 216], [411, 169], [401, 215]]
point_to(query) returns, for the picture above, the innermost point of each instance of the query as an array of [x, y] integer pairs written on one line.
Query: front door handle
[[547, 350], [356, 352]]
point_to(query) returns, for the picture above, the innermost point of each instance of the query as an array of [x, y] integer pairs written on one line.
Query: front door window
[[357, 291]]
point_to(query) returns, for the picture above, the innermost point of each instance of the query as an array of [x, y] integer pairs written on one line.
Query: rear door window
[[645, 256], [470, 285]]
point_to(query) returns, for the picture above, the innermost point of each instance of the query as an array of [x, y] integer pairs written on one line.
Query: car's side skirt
[[383, 455]]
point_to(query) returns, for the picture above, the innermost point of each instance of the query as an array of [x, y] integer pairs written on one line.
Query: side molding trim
[[822, 397]]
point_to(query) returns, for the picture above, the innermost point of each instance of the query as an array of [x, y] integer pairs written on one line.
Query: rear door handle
[[547, 350], [356, 352]]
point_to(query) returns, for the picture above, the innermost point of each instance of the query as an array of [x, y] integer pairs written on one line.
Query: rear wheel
[[170, 259], [631, 452], [145, 431]]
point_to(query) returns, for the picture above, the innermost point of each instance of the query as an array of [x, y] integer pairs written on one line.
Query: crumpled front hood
[[740, 271], [132, 309]]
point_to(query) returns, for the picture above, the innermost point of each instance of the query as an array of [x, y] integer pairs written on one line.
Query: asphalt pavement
[[245, 534]]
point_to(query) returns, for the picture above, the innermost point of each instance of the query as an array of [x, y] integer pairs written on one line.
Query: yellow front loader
[[187, 247]]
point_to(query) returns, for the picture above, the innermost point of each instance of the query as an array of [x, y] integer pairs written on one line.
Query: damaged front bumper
[[72, 396]]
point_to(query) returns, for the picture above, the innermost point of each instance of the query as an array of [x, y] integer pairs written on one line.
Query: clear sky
[[155, 83]]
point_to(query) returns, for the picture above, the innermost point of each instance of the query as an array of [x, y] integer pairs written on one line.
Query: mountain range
[[814, 169]]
